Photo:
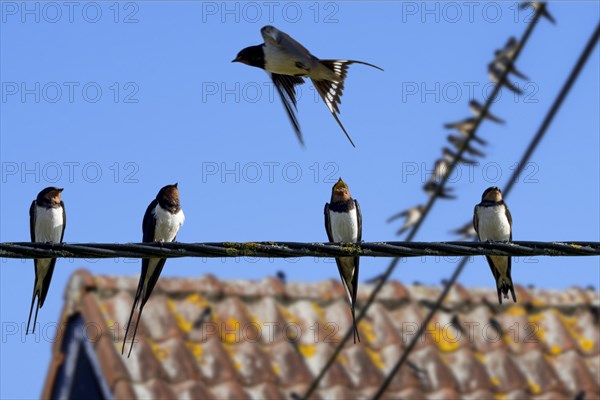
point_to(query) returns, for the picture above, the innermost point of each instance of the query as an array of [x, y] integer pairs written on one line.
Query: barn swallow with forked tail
[[431, 188], [494, 73], [502, 63], [451, 157], [466, 231], [287, 62], [492, 222], [161, 223], [47, 223], [459, 142], [476, 109], [343, 223], [536, 5], [465, 127]]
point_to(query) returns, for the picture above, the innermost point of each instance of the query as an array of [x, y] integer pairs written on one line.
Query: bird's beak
[[60, 190], [237, 59], [175, 184]]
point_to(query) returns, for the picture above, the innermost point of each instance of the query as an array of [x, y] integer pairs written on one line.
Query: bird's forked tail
[[331, 91]]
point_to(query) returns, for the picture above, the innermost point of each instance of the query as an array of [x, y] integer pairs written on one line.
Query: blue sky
[[112, 102]]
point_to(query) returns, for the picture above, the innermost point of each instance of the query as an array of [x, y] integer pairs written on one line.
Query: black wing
[[285, 85], [476, 222], [359, 220], [62, 234], [328, 223], [148, 223], [32, 221], [509, 263]]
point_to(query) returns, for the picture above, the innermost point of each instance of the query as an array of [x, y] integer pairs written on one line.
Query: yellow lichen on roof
[[195, 349], [230, 330], [161, 353], [555, 349], [182, 323], [570, 323], [480, 357], [375, 358], [367, 330], [343, 359], [495, 381], [534, 387], [197, 300], [320, 312], [586, 344], [516, 311], [276, 369], [287, 315], [445, 342], [307, 350]]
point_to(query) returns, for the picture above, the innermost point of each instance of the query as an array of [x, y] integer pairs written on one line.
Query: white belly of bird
[[344, 226], [167, 224], [48, 224], [493, 224], [48, 228]]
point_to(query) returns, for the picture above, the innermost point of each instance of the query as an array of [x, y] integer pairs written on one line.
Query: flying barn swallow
[[492, 222], [161, 223], [47, 222], [287, 62], [343, 223]]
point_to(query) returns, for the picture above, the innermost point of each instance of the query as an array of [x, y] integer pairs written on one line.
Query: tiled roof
[[212, 339]]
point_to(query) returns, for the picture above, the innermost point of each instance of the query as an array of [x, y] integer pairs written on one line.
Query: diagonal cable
[[528, 152]]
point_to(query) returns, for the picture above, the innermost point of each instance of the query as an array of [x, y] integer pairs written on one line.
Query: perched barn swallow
[[287, 61], [162, 221], [502, 63], [440, 169], [509, 48], [47, 222], [412, 215], [536, 5], [494, 72], [476, 109], [451, 157], [459, 142], [343, 223], [431, 188], [466, 231], [492, 222], [465, 127]]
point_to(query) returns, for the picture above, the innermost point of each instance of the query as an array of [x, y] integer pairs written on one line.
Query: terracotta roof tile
[[540, 375], [212, 339], [503, 371], [573, 372]]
